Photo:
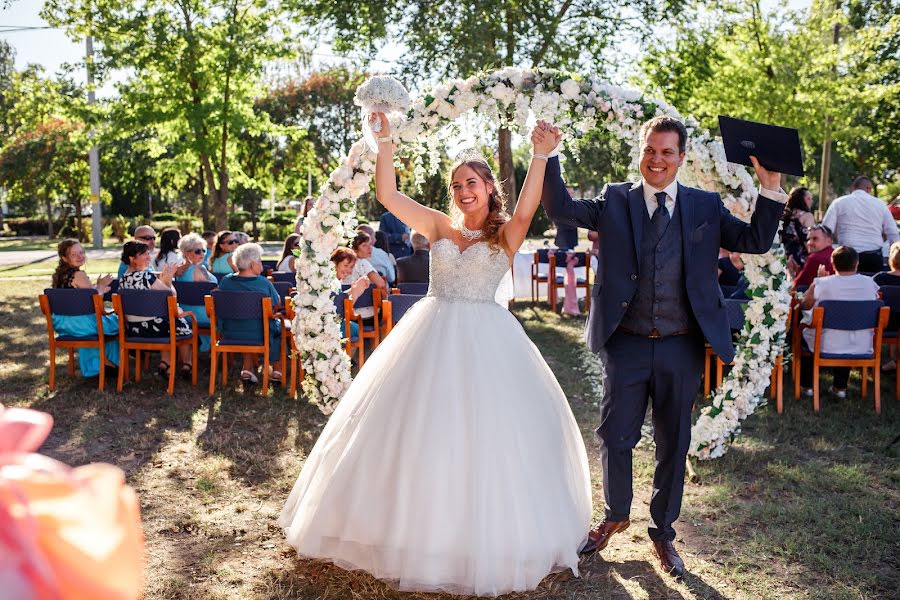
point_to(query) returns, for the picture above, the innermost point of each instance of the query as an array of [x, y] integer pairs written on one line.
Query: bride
[[453, 462]]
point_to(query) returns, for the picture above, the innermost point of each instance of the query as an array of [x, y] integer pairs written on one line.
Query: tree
[[196, 69], [784, 69], [453, 38], [322, 105], [46, 162]]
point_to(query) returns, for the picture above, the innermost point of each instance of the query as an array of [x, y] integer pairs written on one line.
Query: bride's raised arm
[[544, 138], [430, 223]]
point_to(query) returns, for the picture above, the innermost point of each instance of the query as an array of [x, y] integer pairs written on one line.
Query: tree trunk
[[49, 218], [78, 232], [507, 172], [204, 200]]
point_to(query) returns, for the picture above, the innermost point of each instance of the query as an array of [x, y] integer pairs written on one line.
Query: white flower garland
[[509, 97]]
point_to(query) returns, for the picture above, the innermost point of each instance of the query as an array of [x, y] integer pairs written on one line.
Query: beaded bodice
[[473, 274]]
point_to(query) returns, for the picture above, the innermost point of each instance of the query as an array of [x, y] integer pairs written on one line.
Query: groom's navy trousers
[[655, 299]]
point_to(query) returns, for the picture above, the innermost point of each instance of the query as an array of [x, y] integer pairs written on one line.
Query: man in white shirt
[[847, 284], [862, 221]]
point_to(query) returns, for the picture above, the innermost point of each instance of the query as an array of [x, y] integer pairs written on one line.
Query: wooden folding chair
[[74, 302], [152, 303], [557, 282], [393, 309], [241, 306], [848, 315]]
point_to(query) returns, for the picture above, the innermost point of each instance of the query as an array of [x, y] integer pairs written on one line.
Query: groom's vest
[[661, 300]]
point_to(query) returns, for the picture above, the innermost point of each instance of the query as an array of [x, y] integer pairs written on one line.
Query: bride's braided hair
[[497, 215]]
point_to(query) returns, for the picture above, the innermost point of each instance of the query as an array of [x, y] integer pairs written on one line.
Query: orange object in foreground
[[65, 533]]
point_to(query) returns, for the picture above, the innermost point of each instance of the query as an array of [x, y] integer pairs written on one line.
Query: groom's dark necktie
[[660, 219]]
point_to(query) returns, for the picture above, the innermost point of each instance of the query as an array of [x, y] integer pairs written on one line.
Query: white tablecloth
[[521, 274]]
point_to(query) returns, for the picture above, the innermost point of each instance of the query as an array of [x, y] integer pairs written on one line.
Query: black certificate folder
[[776, 148]]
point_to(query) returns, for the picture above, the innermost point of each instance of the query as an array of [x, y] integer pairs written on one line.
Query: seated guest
[[68, 274], [249, 278], [891, 277], [286, 264], [397, 232], [362, 246], [847, 284], [730, 267], [168, 249], [224, 247], [795, 224], [414, 268], [241, 238], [819, 244], [145, 234], [193, 249], [380, 259], [210, 238], [308, 203], [138, 276], [344, 259], [381, 242]]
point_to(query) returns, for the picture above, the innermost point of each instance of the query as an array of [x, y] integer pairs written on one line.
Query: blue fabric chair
[[541, 257], [152, 303], [393, 309], [558, 259], [240, 306], [415, 289], [847, 315], [890, 295], [191, 296], [70, 302], [269, 266], [352, 339], [368, 329], [220, 275], [285, 277], [284, 290]]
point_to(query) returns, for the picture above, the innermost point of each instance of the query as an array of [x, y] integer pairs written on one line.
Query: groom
[[656, 299]]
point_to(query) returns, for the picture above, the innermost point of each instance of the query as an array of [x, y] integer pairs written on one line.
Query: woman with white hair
[[249, 278], [193, 249]]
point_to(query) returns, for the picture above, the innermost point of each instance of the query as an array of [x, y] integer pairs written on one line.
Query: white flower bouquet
[[381, 93]]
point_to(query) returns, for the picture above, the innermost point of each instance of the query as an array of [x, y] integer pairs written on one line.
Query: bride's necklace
[[469, 234]]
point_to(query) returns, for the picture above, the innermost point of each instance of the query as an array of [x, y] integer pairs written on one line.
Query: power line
[[20, 28]]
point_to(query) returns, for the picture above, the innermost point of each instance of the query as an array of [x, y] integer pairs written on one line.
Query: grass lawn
[[802, 506], [42, 243]]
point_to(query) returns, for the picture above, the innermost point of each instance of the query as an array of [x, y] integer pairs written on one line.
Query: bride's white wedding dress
[[453, 462]]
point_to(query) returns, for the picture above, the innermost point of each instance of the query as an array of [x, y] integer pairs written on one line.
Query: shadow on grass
[[250, 430], [599, 580], [818, 492]]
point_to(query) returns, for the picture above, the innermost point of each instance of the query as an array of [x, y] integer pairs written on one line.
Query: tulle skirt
[[453, 463]]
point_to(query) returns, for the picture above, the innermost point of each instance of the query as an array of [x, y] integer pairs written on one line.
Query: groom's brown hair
[[666, 123]]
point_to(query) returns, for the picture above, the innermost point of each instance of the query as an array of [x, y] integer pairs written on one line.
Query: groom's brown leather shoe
[[669, 561], [598, 538]]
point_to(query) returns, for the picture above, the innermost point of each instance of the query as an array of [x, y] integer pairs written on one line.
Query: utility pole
[[826, 143], [93, 153]]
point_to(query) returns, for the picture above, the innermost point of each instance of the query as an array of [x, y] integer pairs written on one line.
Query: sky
[[51, 48]]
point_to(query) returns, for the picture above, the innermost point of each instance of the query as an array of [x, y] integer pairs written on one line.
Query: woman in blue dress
[[193, 249], [344, 260], [68, 274], [222, 261], [248, 259]]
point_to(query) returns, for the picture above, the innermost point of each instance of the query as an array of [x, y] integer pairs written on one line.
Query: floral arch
[[508, 97]]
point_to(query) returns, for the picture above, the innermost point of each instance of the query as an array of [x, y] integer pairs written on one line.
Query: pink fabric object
[[570, 304], [64, 533]]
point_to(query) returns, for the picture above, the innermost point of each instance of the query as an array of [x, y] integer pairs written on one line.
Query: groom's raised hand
[[770, 180]]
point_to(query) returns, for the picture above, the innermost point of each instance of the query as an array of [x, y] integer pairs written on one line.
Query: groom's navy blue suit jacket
[[706, 225]]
